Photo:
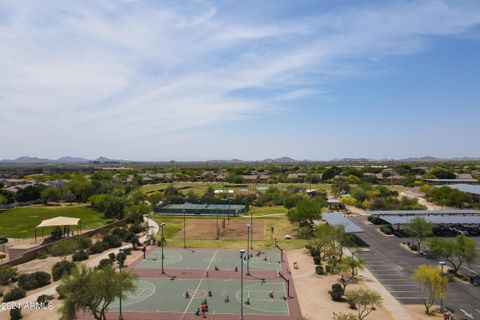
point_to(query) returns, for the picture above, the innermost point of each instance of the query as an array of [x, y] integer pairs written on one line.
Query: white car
[[287, 237]]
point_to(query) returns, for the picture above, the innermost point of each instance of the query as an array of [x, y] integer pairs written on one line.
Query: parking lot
[[393, 264]]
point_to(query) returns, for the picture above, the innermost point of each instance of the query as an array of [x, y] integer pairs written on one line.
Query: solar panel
[[423, 212], [338, 219], [433, 219]]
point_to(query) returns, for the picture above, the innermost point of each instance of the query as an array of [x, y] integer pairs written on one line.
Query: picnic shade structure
[[59, 222]]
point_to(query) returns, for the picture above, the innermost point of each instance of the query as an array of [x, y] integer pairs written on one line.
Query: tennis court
[[182, 259]]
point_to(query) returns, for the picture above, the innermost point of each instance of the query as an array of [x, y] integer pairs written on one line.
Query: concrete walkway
[[153, 228]]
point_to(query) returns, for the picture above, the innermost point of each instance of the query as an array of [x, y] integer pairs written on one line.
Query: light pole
[[442, 264], [218, 230], [251, 230], [120, 265], [242, 253], [184, 230], [162, 241], [248, 249]]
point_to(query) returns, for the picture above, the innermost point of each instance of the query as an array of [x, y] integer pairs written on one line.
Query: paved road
[[393, 265]]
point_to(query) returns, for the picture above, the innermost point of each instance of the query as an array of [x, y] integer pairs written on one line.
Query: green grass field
[[20, 222]]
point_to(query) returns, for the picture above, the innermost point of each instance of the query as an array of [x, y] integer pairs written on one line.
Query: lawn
[[20, 222]]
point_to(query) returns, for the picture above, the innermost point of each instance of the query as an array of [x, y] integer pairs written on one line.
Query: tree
[[80, 186], [51, 194], [330, 173], [3, 199], [134, 213], [364, 301], [29, 193], [93, 290], [209, 195], [340, 186], [154, 198], [305, 212], [63, 248], [347, 269], [456, 251], [431, 284], [420, 229]]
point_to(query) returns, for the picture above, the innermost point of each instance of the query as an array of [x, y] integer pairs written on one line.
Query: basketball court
[[193, 275]]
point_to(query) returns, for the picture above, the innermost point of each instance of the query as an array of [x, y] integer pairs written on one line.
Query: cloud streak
[[113, 71]]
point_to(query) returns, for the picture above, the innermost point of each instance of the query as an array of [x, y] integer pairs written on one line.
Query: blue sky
[[159, 80]]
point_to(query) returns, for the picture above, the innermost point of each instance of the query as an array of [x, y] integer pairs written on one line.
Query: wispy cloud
[[112, 69]]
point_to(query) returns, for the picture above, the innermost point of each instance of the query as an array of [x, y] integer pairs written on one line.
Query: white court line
[[198, 286]]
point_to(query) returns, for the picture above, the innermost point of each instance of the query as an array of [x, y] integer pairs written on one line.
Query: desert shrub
[[104, 263], [136, 228], [129, 236], [44, 298], [119, 232], [80, 255], [319, 270], [42, 254], [14, 294], [7, 273], [97, 247], [33, 280], [336, 292], [111, 256], [15, 313], [386, 230], [61, 268], [111, 241], [84, 243], [317, 260]]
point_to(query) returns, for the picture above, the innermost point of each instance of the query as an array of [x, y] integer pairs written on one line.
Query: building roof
[[333, 201], [59, 221], [453, 180], [338, 219], [433, 219], [467, 188], [423, 212]]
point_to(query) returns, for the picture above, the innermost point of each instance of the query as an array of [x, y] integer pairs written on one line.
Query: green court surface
[[205, 259], [165, 295]]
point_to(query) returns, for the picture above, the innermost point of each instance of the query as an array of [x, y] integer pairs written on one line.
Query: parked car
[[3, 239]]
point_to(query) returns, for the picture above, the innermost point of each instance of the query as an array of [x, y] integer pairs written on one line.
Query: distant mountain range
[[79, 160], [61, 160]]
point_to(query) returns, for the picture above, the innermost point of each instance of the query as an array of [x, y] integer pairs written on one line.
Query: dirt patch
[[233, 229], [312, 290]]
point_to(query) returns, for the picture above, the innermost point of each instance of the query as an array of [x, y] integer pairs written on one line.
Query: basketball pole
[[248, 249]]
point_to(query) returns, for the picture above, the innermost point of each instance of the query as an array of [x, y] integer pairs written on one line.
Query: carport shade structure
[[379, 213], [338, 219], [58, 222], [399, 220]]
